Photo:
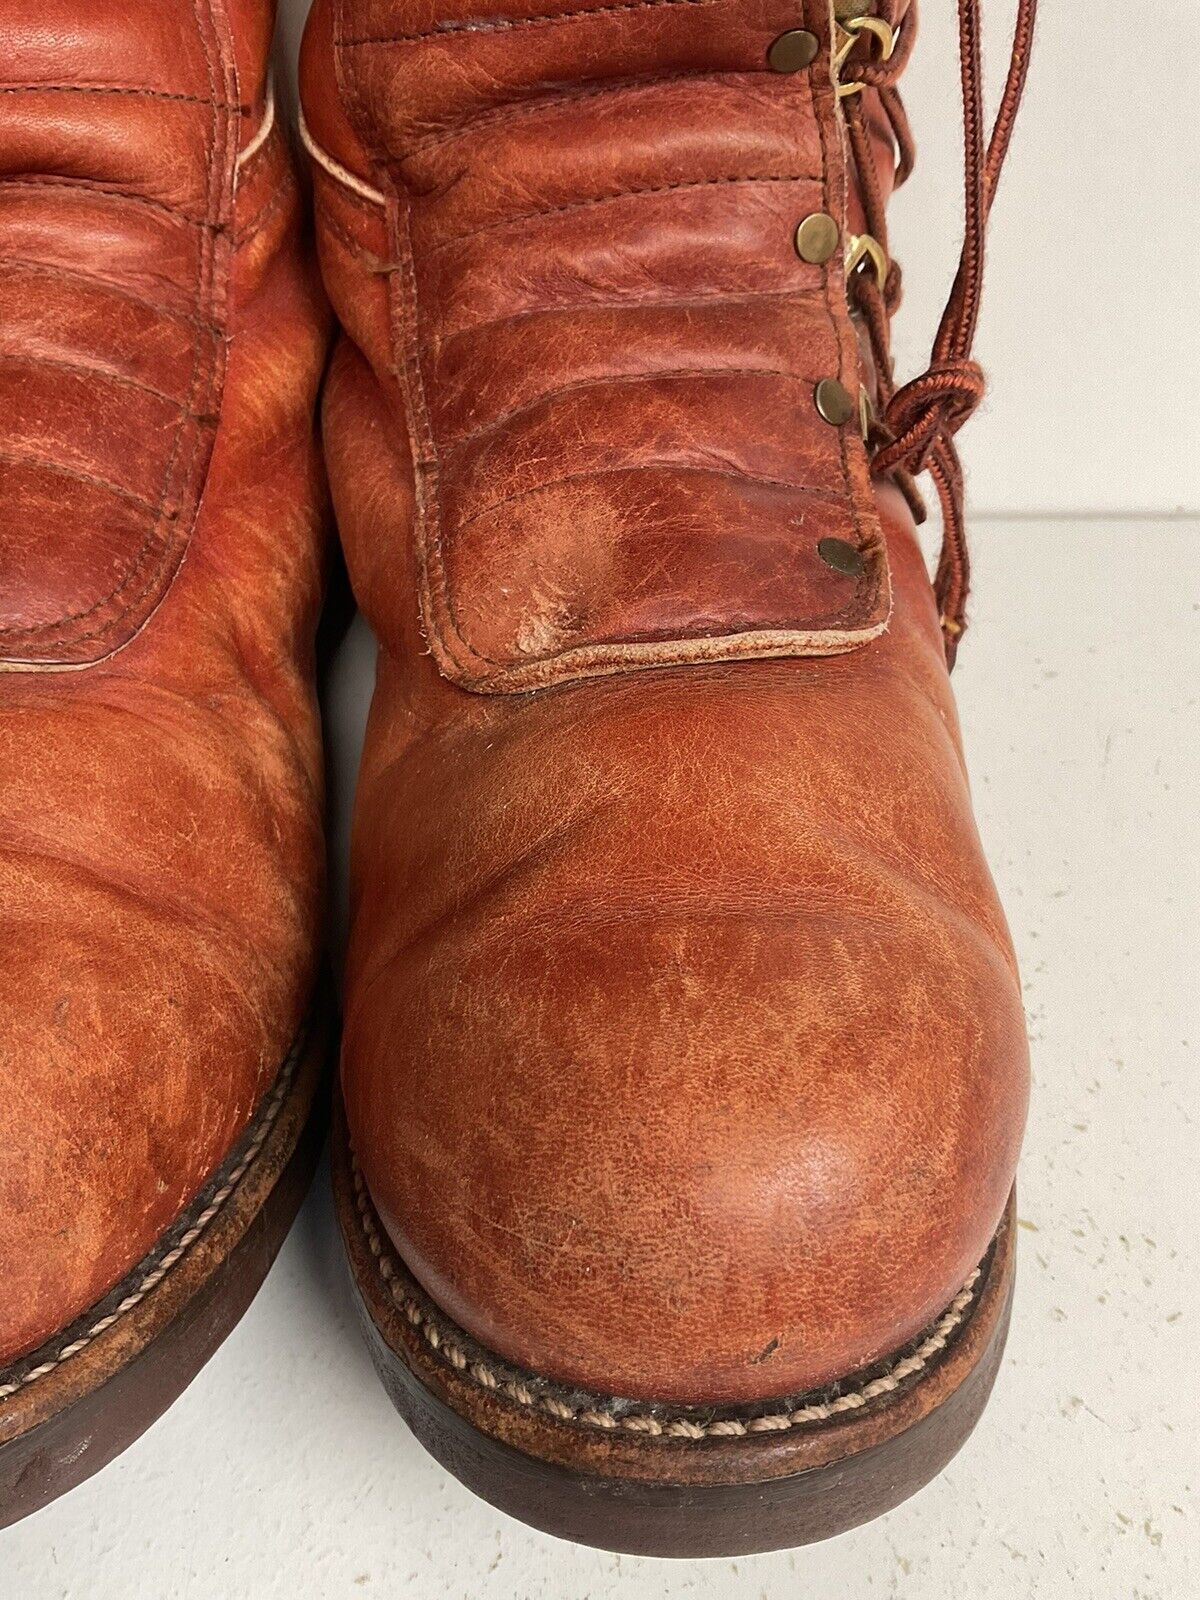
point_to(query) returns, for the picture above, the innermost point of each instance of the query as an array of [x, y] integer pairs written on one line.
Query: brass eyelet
[[793, 51], [816, 238], [834, 402], [842, 556]]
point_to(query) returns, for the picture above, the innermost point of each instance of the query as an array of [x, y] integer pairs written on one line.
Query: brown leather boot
[[162, 333], [684, 1068]]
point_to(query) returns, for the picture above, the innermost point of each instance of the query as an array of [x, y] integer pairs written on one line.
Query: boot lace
[[915, 431]]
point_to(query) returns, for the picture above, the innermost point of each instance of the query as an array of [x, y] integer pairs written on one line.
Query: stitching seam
[[666, 467], [205, 294], [834, 279], [700, 302], [220, 135], [375, 265], [51, 269], [621, 194], [108, 88], [640, 1420], [162, 1266], [406, 348], [254, 225], [426, 464], [88, 369], [21, 458], [111, 192], [512, 115], [506, 24], [622, 380]]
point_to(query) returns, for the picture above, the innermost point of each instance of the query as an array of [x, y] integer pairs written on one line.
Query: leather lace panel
[[115, 194], [608, 345]]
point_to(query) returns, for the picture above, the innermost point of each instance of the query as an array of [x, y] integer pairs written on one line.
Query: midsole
[[543, 1417], [23, 1379]]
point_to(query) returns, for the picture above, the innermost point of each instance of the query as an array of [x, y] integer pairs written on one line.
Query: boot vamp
[[160, 573], [684, 1048]]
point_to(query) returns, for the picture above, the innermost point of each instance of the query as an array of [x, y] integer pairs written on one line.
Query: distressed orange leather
[[684, 1054], [162, 334]]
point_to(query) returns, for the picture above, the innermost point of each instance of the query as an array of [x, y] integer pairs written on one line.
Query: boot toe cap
[[694, 1158]]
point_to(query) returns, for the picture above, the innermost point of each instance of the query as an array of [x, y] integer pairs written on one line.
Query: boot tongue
[[634, 396], [114, 195]]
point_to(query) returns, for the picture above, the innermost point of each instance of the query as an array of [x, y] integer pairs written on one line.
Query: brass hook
[[847, 36], [862, 247]]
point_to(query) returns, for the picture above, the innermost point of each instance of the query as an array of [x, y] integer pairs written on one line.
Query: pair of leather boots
[[683, 1067]]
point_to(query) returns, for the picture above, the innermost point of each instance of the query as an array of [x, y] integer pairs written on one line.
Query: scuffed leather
[[608, 359], [160, 809], [684, 1054]]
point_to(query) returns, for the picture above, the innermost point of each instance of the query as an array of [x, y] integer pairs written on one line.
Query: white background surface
[[1090, 332], [1091, 314], [283, 1471]]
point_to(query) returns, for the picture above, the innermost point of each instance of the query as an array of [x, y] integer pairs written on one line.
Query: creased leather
[[684, 1054], [160, 808], [581, 512]]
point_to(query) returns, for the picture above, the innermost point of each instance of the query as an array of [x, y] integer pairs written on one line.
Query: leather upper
[[161, 340], [684, 1056], [116, 221], [573, 335]]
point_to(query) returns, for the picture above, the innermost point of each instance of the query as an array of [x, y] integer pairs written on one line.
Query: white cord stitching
[[336, 170], [640, 1421], [264, 130], [160, 1269]]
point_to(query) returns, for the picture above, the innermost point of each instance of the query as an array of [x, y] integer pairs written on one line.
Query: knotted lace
[[919, 420]]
